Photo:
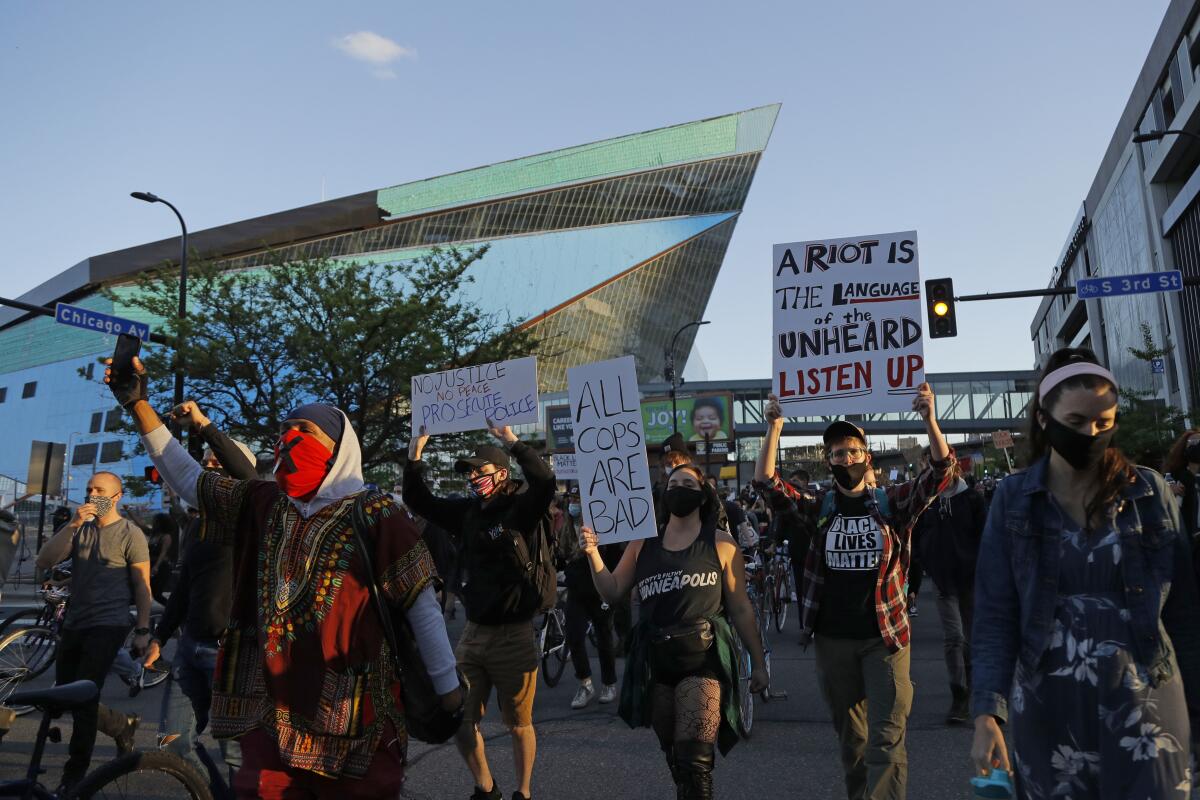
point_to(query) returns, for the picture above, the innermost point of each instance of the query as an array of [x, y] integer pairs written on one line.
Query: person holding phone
[[110, 571]]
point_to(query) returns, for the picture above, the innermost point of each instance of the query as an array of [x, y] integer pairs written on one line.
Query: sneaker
[[519, 796], [124, 741], [493, 794], [608, 693], [912, 605], [960, 706], [794, 598], [584, 695]]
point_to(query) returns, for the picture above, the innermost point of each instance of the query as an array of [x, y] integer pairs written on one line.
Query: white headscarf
[[344, 478]]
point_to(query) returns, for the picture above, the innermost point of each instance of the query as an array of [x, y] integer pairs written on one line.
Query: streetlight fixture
[[149, 197], [670, 371], [1154, 136]]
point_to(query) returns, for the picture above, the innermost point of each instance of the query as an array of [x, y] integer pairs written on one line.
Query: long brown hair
[[1177, 460], [1116, 471]]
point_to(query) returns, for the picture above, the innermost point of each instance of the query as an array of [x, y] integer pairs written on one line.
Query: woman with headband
[[1086, 636], [681, 675]]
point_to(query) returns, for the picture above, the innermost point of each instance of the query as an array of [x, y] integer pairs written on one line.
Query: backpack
[[540, 571]]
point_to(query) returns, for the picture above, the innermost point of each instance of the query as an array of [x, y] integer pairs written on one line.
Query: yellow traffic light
[[940, 308]]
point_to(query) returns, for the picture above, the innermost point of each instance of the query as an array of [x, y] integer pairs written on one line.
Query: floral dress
[[1087, 723]]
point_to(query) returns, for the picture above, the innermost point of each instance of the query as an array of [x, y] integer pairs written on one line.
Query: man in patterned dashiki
[[304, 678]]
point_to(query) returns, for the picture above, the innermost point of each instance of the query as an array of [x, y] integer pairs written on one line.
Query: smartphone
[[122, 359]]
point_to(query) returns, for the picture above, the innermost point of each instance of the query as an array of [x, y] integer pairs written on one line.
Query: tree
[[1147, 423], [265, 340]]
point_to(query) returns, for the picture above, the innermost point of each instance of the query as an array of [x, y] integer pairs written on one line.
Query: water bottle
[[996, 785]]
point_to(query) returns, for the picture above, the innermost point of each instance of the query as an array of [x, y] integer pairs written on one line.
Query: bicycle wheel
[[153, 775], [771, 600], [24, 654], [554, 648], [745, 697], [22, 618], [783, 598]]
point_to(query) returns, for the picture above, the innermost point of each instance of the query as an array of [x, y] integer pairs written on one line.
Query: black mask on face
[[849, 476], [1193, 453], [682, 501], [1077, 449]]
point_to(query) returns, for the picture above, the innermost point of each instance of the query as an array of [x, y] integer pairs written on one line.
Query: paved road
[[592, 755]]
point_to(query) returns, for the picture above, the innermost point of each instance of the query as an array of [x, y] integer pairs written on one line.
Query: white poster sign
[[464, 399], [610, 450], [847, 325], [565, 468]]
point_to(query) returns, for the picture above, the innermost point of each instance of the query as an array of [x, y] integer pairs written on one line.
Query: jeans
[[956, 611], [87, 654], [869, 694], [579, 611], [184, 714]]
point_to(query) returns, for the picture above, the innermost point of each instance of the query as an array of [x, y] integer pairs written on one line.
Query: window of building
[[84, 455], [97, 420], [1167, 98], [29, 391], [113, 421], [3, 393], [110, 452], [1194, 47]]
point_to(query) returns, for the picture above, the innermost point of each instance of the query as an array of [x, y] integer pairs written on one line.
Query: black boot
[[960, 706], [669, 753], [694, 765]]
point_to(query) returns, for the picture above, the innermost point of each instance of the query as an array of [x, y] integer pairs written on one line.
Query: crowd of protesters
[[1066, 595]]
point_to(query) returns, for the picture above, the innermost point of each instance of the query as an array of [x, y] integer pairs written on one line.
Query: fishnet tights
[[688, 711]]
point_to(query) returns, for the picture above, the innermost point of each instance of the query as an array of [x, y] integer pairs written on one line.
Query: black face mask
[[1078, 449], [1193, 453], [682, 501], [849, 476]]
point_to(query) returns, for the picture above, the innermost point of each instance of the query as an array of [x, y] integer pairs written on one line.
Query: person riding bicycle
[[681, 675], [110, 571]]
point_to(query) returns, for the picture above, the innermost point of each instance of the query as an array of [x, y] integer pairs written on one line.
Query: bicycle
[[552, 641], [782, 584], [150, 775]]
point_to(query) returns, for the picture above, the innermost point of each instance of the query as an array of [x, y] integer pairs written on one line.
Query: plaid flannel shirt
[[906, 501]]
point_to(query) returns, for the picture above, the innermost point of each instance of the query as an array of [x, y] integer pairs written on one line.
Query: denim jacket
[[1016, 586]]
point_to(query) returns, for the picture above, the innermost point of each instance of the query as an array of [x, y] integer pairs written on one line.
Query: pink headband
[[1070, 371]]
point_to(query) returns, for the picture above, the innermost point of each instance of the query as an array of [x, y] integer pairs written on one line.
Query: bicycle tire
[[554, 649], [783, 598], [129, 775], [22, 661], [745, 696], [32, 614]]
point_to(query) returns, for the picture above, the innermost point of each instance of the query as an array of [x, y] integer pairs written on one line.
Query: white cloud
[[374, 49]]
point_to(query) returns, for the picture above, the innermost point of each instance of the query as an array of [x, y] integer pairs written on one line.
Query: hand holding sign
[[587, 540], [923, 402], [504, 435], [416, 445], [774, 412]]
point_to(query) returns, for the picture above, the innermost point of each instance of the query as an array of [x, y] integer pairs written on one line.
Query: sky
[[979, 125]]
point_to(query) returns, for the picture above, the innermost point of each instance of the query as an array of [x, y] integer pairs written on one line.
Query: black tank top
[[677, 586]]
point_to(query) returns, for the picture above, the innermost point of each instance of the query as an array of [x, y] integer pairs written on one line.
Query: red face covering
[[301, 464]]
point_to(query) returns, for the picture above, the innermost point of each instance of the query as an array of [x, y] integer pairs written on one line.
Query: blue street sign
[[1171, 281], [100, 323], [1157, 366]]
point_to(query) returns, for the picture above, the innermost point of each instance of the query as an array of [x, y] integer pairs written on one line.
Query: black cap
[[484, 454], [843, 430], [675, 443]]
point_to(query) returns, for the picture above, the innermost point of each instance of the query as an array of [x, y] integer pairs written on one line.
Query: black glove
[[127, 387]]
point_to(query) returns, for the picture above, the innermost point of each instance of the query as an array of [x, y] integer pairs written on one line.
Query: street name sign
[[1116, 285], [90, 320]]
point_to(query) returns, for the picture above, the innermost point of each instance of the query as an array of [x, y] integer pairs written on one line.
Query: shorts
[[503, 656], [699, 665]]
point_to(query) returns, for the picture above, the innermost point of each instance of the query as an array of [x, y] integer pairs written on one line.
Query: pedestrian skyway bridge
[[967, 402]]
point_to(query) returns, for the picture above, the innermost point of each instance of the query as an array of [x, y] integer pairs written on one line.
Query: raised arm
[[909, 499], [764, 469]]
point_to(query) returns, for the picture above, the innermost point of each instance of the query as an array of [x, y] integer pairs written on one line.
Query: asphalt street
[[593, 755]]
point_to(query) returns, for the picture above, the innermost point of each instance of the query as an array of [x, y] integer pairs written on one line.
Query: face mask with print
[[484, 486], [301, 464], [103, 504]]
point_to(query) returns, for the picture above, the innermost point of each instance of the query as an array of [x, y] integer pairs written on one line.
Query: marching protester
[[1086, 639], [497, 529], [163, 541], [10, 536], [199, 608], [681, 675], [1182, 465], [948, 536], [793, 519], [584, 605], [110, 571], [853, 602], [304, 676]]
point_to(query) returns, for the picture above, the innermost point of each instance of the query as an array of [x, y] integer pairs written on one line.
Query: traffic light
[[152, 476], [939, 303]]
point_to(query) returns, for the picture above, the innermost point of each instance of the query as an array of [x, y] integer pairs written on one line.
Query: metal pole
[[45, 482], [181, 340]]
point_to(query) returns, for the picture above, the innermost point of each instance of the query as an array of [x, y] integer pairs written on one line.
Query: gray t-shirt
[[101, 581]]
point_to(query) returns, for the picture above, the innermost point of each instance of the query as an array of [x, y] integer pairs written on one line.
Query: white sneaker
[[608, 693], [583, 696]]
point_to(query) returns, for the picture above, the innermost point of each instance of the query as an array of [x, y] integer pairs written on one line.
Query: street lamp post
[[149, 197], [1154, 136], [671, 375]]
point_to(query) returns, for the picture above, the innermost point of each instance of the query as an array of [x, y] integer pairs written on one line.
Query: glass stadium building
[[604, 249]]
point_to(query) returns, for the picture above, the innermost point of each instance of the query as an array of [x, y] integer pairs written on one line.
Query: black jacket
[[948, 536], [495, 590]]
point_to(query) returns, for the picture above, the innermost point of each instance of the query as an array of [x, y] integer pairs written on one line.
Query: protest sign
[[610, 450], [847, 332], [464, 399], [564, 467]]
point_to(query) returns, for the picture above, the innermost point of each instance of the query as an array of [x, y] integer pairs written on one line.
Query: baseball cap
[[843, 430], [675, 443], [484, 454]]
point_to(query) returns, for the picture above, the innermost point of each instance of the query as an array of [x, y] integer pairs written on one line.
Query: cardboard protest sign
[[610, 450], [848, 323], [464, 399], [565, 468]]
